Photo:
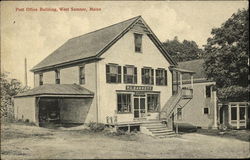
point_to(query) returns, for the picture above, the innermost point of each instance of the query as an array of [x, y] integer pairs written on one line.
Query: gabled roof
[[92, 45], [57, 89], [197, 67]]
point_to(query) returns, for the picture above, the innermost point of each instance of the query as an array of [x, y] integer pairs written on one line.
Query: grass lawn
[[31, 142], [243, 135]]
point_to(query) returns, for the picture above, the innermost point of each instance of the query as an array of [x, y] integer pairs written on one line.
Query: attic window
[[138, 42]]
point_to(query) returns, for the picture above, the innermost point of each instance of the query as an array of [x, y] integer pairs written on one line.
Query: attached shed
[[57, 103]]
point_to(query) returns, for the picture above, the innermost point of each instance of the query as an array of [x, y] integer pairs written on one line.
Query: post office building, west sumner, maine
[[117, 74]]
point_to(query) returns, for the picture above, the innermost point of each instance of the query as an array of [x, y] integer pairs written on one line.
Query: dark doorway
[[49, 111]]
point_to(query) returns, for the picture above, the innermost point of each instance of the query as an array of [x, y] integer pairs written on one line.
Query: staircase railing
[[184, 93], [170, 105]]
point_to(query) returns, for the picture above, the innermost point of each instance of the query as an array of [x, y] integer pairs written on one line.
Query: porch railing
[[187, 92]]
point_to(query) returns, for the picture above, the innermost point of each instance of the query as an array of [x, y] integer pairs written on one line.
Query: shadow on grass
[[243, 135]]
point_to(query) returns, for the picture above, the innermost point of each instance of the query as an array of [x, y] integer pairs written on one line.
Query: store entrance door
[[139, 107]]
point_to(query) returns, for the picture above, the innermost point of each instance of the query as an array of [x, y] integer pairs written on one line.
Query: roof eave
[[66, 63], [55, 95]]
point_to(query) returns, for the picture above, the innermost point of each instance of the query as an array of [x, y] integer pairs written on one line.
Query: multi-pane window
[[40, 79], [130, 74], [147, 76], [208, 91], [205, 110], [242, 112], [233, 113], [153, 101], [113, 73], [81, 75], [123, 103], [138, 42], [161, 77], [179, 113], [57, 72]]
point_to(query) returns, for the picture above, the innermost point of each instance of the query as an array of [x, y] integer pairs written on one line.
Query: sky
[[36, 34]]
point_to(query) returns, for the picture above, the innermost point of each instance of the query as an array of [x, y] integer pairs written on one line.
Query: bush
[[96, 127], [185, 127]]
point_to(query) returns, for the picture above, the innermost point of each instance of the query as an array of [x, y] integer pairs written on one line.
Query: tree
[[183, 51], [226, 55], [9, 88]]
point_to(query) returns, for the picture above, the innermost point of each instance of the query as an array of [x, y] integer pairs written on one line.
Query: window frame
[[151, 76], [235, 107], [57, 76], [40, 79], [158, 102], [208, 111], [82, 77], [163, 77], [244, 116], [118, 75], [179, 116], [121, 103], [210, 91], [135, 42], [125, 75]]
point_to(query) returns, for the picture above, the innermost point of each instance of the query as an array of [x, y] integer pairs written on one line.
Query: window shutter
[[157, 76], [166, 77], [152, 76], [124, 74], [142, 76], [135, 75], [107, 73], [119, 74]]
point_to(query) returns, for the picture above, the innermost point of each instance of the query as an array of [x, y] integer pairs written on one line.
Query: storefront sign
[[139, 88]]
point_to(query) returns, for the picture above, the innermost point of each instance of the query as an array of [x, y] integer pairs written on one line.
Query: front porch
[[234, 114]]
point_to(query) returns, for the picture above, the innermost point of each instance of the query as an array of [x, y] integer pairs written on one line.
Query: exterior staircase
[[157, 129]]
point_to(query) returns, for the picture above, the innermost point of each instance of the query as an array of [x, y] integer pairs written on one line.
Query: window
[[208, 91], [130, 74], [113, 73], [123, 103], [161, 77], [205, 110], [81, 75], [147, 76], [233, 113], [40, 79], [242, 113], [57, 72], [179, 113], [153, 102], [138, 42]]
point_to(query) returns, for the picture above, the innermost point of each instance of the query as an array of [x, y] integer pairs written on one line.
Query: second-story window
[[138, 42], [147, 76], [113, 73], [57, 72], [130, 74], [40, 79], [81, 75], [208, 91], [161, 77]]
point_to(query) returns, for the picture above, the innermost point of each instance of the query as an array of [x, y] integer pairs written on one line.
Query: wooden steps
[[157, 129]]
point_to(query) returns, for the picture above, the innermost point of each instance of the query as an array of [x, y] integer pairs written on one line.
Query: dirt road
[[26, 142]]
